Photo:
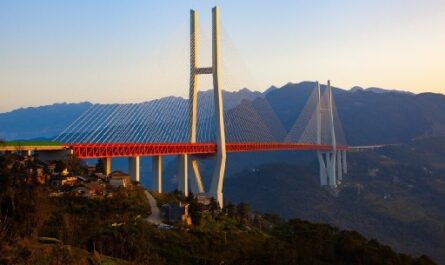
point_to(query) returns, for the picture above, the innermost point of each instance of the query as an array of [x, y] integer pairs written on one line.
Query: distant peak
[[356, 88], [245, 89], [270, 89], [380, 90]]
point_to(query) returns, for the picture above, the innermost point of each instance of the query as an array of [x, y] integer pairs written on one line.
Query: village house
[[89, 190], [119, 179], [51, 168], [100, 176], [91, 170], [36, 175], [203, 198], [67, 180]]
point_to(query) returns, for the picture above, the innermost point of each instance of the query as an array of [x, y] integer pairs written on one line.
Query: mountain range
[[368, 116]]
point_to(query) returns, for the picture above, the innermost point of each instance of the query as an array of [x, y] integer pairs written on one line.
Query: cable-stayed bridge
[[200, 127]]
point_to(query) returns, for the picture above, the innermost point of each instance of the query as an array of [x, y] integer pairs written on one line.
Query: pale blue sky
[[131, 51]]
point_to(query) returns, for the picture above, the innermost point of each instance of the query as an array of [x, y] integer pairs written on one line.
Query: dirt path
[[155, 217]]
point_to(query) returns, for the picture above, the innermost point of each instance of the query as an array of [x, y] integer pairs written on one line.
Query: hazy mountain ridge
[[380, 90], [49, 121], [368, 116], [39, 122]]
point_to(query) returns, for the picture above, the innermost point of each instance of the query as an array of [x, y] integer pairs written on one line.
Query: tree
[[60, 166], [75, 165], [230, 210], [243, 212], [213, 206], [100, 167]]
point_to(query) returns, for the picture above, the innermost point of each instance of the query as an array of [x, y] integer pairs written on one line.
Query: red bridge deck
[[153, 149]]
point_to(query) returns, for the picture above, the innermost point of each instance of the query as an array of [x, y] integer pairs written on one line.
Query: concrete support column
[[107, 165], [197, 187], [323, 175], [332, 166], [156, 174], [183, 174], [339, 167], [134, 168], [345, 163]]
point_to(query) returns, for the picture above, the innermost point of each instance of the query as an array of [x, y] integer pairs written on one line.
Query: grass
[[48, 253]]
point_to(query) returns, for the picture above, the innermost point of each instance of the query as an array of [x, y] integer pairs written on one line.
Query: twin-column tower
[[218, 174]]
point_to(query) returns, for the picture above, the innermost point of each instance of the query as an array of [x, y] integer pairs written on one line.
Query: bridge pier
[[339, 167], [156, 174], [332, 166], [183, 174], [328, 167], [106, 162], [323, 169], [345, 163], [134, 168]]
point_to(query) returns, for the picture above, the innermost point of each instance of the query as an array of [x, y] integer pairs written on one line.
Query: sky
[[107, 51]]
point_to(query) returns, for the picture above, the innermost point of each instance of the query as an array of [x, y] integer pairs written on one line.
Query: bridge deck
[[13, 148], [154, 149]]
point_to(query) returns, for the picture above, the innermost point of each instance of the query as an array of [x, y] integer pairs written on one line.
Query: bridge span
[[190, 131], [104, 150]]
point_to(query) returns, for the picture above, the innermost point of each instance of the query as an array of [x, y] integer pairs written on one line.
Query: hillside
[[395, 194], [39, 122], [369, 117], [37, 228]]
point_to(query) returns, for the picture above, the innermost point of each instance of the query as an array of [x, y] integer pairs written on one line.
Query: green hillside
[[37, 228], [395, 194]]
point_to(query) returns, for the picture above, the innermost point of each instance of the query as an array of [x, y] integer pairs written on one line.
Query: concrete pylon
[[193, 92], [134, 168], [333, 166], [218, 174], [332, 163], [156, 174], [320, 155]]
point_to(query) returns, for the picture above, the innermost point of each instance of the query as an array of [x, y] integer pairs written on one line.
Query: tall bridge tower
[[332, 163], [218, 174]]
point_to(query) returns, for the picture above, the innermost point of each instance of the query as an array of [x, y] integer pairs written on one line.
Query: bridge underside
[[102, 150]]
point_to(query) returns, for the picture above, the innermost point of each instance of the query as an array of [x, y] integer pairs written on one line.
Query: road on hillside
[[155, 217]]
